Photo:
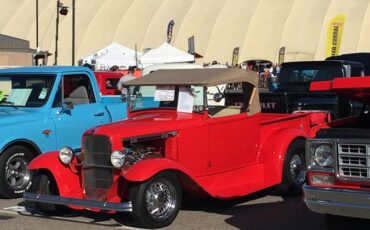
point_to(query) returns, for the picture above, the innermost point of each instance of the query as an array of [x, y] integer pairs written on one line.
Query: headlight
[[323, 155], [117, 159], [66, 155]]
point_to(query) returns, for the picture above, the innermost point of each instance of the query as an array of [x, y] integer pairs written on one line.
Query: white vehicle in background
[[152, 68]]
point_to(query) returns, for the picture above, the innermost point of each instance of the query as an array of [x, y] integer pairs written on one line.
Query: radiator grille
[[354, 161], [97, 169]]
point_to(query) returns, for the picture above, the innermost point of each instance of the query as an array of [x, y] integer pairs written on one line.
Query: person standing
[[273, 73], [128, 77]]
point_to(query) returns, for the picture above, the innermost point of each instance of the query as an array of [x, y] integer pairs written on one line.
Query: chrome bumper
[[51, 199], [341, 202]]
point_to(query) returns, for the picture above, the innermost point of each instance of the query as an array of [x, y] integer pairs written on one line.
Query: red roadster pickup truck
[[197, 130]]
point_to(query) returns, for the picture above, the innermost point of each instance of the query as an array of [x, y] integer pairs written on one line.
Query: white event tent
[[113, 54], [165, 54], [122, 60]]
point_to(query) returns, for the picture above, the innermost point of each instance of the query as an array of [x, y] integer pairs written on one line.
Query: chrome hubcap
[[16, 173], [297, 169], [161, 199]]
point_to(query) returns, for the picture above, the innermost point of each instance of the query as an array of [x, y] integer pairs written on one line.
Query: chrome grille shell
[[97, 170], [353, 160]]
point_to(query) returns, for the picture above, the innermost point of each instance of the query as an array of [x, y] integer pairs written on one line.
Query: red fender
[[273, 152], [67, 181], [146, 169]]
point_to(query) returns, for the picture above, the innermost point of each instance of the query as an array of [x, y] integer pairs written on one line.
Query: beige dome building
[[258, 27]]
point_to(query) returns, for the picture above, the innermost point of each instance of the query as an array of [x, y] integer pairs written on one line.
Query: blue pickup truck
[[43, 109]]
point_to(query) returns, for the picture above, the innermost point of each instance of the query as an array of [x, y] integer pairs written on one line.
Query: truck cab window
[[230, 99], [76, 89]]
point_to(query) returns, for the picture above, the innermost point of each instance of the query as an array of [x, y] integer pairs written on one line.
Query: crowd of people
[[268, 72], [268, 76]]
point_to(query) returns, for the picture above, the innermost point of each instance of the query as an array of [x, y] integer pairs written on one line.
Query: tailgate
[[273, 102]]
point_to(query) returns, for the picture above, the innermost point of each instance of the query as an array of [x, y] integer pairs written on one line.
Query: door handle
[[99, 114]]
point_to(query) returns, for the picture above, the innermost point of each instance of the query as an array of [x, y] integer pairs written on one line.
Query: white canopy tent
[[113, 54], [122, 60], [165, 54]]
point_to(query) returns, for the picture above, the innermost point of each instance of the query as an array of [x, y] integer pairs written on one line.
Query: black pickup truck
[[363, 58], [292, 92]]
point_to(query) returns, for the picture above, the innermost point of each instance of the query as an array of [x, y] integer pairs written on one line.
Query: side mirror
[[67, 106], [217, 97]]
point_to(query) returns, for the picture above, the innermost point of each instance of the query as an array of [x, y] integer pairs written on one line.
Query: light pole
[[73, 32], [37, 25], [63, 10]]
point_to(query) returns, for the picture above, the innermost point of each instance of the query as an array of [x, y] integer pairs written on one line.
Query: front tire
[[14, 175], [44, 183], [294, 169], [156, 202]]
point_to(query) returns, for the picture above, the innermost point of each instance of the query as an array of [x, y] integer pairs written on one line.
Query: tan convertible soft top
[[205, 77]]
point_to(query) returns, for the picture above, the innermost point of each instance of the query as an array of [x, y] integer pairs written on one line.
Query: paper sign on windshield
[[19, 96], [164, 93], [43, 93], [186, 100]]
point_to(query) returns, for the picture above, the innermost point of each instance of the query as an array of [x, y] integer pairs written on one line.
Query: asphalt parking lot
[[264, 210]]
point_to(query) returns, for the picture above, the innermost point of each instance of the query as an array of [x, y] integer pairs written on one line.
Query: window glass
[[187, 98], [111, 83], [228, 99], [25, 90], [357, 71], [76, 89]]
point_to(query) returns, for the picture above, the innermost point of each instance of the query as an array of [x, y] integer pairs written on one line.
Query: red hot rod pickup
[[199, 131]]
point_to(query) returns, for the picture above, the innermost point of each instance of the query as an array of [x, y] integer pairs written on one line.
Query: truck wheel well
[[297, 139], [186, 183], [27, 144], [294, 168]]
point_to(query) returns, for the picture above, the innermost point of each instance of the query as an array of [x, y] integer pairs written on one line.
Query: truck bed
[[271, 118]]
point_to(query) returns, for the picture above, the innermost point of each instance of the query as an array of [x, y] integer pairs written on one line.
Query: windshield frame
[[52, 77]]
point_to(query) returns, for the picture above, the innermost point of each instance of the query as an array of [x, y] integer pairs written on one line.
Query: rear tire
[[14, 175], [156, 202], [44, 183], [294, 169]]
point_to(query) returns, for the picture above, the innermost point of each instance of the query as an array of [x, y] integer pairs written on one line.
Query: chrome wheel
[[160, 199], [297, 169], [16, 173]]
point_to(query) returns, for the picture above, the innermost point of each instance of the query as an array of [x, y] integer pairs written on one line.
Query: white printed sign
[[164, 93], [186, 100], [43, 93], [19, 96]]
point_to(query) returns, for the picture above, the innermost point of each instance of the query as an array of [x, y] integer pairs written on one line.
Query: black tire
[[44, 183], [294, 169], [14, 176], [334, 222], [142, 194]]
